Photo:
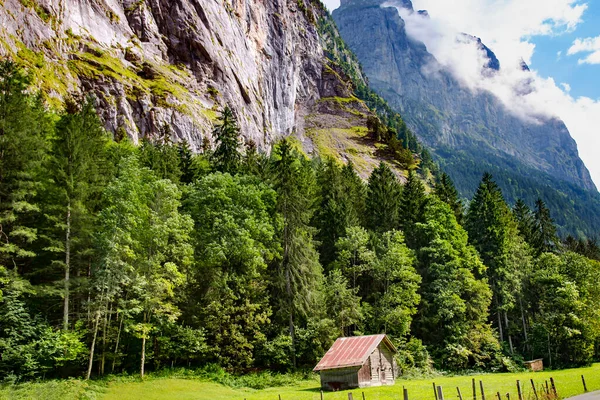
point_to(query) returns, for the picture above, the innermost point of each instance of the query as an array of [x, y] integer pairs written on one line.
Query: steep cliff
[[469, 132], [175, 62]]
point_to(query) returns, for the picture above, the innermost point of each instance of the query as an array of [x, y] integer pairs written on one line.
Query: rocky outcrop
[[175, 62], [445, 115]]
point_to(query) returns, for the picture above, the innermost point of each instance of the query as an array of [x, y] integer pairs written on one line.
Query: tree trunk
[[67, 269], [143, 355], [524, 323], [498, 313], [107, 320], [510, 343], [288, 285], [91, 360], [117, 343]]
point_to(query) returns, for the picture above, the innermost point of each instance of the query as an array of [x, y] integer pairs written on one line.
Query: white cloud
[[587, 45], [506, 26], [566, 87]]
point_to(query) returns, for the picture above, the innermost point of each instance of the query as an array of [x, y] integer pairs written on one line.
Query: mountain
[[469, 132], [174, 63]]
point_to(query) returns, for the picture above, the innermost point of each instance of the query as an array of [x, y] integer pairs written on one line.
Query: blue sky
[[584, 79], [534, 31]]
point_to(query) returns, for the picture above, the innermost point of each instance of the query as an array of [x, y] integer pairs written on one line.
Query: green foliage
[[29, 346], [342, 302], [24, 126], [226, 157], [235, 241], [163, 157], [446, 192], [395, 298], [299, 275], [340, 206], [565, 304], [453, 310], [383, 193], [98, 241]]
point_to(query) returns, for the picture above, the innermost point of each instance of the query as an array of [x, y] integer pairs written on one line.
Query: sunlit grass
[[568, 383]]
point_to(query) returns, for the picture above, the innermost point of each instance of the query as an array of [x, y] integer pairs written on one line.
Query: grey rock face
[[439, 110], [153, 62]]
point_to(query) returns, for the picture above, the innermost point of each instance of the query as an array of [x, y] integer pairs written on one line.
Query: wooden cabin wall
[[335, 379]]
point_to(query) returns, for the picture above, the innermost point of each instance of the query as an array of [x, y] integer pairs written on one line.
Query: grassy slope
[[568, 383]]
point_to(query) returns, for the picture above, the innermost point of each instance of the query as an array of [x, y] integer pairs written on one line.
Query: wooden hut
[[357, 362]]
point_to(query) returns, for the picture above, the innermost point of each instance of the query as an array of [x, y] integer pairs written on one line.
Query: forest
[[121, 258]]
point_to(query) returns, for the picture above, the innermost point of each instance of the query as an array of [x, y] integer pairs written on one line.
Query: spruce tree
[[446, 191], [356, 191], [78, 167], [383, 197], [544, 237], [227, 156], [189, 172], [336, 209], [24, 127], [492, 230], [299, 276], [412, 205], [524, 217]]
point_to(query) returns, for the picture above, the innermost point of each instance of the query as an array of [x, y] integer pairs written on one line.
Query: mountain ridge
[[460, 126]]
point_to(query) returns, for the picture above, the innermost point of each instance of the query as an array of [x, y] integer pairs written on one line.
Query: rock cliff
[[152, 63]]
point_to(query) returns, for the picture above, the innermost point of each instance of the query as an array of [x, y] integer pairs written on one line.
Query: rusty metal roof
[[351, 352]]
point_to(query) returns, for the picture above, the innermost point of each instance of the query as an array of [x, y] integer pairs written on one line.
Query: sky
[[558, 39]]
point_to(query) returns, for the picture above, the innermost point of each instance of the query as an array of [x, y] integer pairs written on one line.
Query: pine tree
[[356, 191], [524, 217], [493, 231], [226, 157], [544, 237], [383, 197], [299, 276], [24, 127], [78, 168], [337, 209], [162, 157], [446, 191], [189, 171], [412, 205]]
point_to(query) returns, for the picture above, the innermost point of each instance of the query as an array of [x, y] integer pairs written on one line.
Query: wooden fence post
[[321, 395], [584, 385], [363, 394], [350, 397], [405, 390], [499, 397], [474, 390], [507, 396], [553, 387], [534, 389], [459, 393], [435, 391], [547, 388], [519, 390], [279, 397], [440, 393], [482, 391]]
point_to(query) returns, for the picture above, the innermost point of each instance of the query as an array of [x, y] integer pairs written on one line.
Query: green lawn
[[568, 383]]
